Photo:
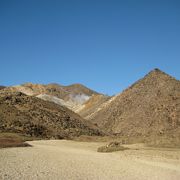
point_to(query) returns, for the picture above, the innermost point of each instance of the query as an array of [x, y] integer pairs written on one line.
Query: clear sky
[[103, 44]]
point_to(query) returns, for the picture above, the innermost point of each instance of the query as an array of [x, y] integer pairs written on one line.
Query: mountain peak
[[158, 75], [157, 72]]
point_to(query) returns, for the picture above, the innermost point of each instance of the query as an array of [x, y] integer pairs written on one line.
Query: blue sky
[[103, 44]]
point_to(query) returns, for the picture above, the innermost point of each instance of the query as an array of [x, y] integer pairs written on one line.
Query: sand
[[70, 160]]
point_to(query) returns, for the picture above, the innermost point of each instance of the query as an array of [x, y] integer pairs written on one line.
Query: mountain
[[151, 106], [72, 96], [20, 113], [57, 90], [75, 92]]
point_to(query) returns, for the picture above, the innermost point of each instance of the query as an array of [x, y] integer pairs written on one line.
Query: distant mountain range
[[73, 96]]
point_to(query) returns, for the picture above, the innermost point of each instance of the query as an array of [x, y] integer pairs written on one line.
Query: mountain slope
[[69, 92], [92, 105], [73, 96], [150, 106], [24, 114]]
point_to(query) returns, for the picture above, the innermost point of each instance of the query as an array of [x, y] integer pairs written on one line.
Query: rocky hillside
[[151, 106], [73, 96], [92, 105], [32, 116]]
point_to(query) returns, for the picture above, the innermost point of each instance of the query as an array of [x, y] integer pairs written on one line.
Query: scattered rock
[[111, 147]]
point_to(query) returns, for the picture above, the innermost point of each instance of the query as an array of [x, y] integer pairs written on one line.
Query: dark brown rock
[[24, 114]]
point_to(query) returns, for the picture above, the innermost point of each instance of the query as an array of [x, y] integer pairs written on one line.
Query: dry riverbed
[[70, 160]]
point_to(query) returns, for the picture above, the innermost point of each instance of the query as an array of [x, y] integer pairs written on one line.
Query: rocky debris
[[151, 106], [111, 147], [32, 116]]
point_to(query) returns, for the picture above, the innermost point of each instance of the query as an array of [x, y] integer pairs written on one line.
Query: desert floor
[[70, 160]]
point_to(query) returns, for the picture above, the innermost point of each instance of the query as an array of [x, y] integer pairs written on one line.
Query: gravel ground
[[69, 160]]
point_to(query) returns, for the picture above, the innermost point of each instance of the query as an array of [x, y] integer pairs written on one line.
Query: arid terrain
[[151, 106], [73, 96], [90, 90], [61, 159], [132, 135], [20, 113]]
